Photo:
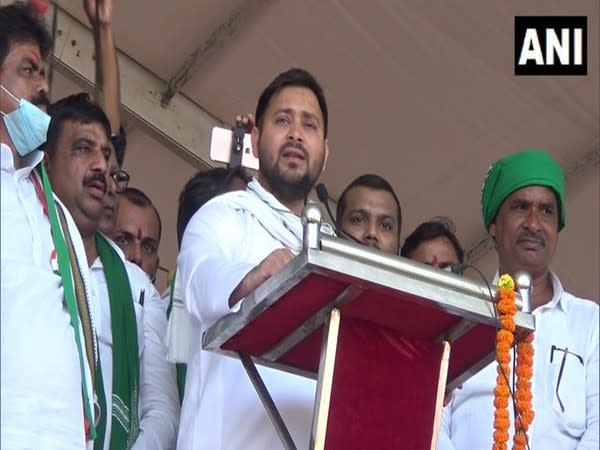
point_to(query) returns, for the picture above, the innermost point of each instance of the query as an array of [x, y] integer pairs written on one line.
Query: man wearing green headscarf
[[523, 207]]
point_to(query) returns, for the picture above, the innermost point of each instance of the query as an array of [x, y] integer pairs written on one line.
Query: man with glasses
[[523, 206], [135, 385]]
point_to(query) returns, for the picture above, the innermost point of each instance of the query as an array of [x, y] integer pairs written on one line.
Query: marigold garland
[[523, 396], [507, 309]]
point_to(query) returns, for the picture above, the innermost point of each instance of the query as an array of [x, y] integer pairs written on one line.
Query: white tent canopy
[[421, 93]]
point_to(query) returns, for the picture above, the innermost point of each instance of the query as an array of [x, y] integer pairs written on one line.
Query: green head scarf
[[516, 171]]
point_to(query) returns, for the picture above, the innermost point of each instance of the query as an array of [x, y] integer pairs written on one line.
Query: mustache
[[97, 177], [41, 100], [529, 236], [295, 146]]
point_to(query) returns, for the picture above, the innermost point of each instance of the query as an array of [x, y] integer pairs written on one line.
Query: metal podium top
[[278, 324]]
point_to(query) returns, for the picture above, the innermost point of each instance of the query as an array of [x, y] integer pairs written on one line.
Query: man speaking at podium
[[231, 246], [523, 205]]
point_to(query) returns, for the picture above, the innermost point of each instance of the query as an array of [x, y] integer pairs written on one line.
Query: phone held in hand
[[220, 148]]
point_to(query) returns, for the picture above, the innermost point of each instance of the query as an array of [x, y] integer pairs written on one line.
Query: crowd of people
[[88, 344]]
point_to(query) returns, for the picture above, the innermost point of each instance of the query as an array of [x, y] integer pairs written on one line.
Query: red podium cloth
[[384, 389], [395, 310], [387, 361]]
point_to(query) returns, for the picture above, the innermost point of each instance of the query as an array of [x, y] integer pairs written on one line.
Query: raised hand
[[248, 121], [105, 9]]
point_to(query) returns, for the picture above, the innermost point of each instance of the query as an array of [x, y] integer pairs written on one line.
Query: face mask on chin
[[27, 125]]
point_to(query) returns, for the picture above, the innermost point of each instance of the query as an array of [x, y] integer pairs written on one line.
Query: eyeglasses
[[562, 367], [121, 179]]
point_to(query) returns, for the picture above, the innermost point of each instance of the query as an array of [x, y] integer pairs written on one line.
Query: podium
[[385, 337]]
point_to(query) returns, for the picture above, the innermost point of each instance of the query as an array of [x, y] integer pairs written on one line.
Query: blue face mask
[[27, 125]]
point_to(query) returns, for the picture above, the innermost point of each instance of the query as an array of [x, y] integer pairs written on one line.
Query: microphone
[[323, 197], [459, 268]]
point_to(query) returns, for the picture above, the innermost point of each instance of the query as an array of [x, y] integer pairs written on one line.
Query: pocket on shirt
[[572, 392]]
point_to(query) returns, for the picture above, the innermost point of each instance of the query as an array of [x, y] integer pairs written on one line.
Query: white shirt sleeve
[[159, 400], [209, 270], [591, 436], [444, 436]]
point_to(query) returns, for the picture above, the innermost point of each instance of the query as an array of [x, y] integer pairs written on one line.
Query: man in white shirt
[[24, 46], [141, 408], [199, 189], [42, 390], [232, 245], [523, 205]]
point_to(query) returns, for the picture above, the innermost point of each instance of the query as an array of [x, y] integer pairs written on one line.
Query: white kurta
[[41, 401], [221, 409], [159, 402], [565, 322]]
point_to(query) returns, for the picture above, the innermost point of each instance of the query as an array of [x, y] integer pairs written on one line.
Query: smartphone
[[220, 148]]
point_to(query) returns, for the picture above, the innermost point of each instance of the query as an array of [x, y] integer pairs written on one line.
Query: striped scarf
[[125, 376]]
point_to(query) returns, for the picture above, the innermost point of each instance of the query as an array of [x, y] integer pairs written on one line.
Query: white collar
[[30, 161], [257, 189], [557, 297], [557, 293]]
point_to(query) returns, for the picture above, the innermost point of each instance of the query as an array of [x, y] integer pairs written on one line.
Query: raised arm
[[107, 86], [209, 269]]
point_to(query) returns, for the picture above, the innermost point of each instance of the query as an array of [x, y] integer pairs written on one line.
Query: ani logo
[[550, 45]]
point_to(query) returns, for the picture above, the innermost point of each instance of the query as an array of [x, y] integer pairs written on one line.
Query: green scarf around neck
[[125, 376]]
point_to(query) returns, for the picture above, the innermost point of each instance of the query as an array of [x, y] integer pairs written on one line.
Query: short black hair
[[138, 198], [294, 77], [199, 189], [79, 107], [19, 24], [372, 182], [428, 231]]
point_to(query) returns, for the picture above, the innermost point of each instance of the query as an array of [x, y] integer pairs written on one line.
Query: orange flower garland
[[523, 395], [507, 309]]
